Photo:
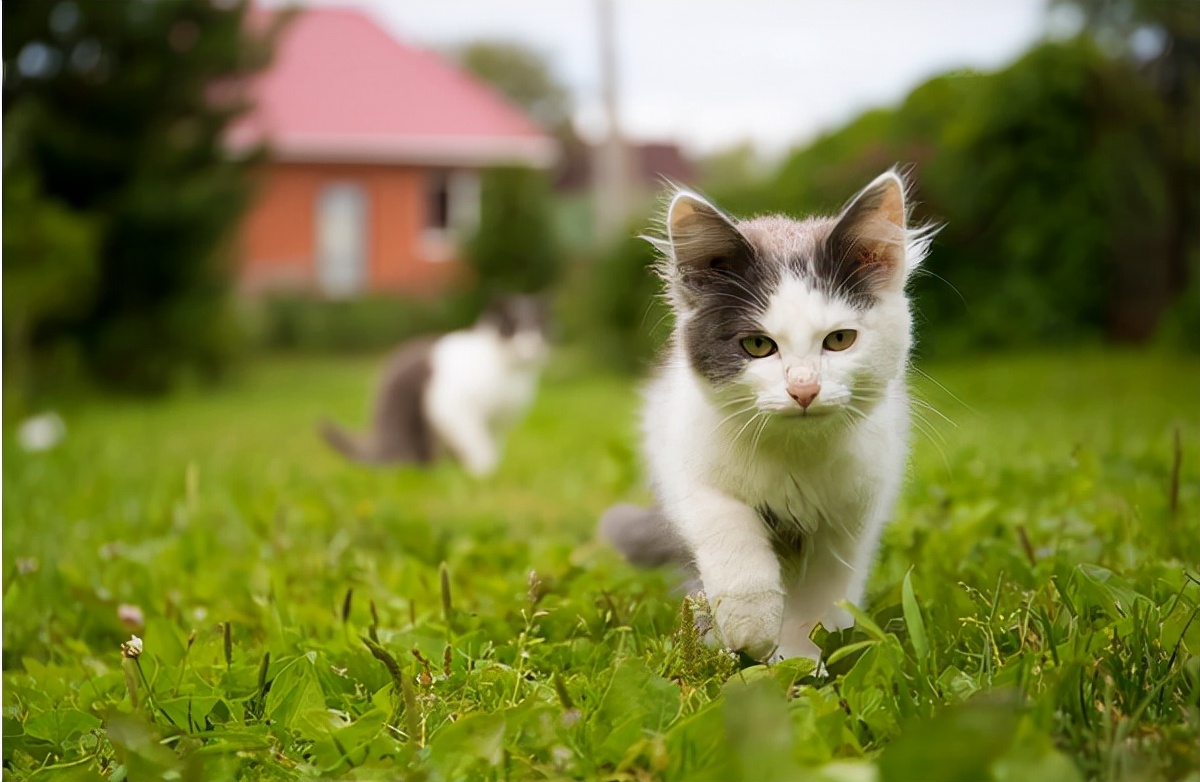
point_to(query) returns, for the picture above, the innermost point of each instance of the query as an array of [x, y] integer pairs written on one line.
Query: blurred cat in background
[[457, 394]]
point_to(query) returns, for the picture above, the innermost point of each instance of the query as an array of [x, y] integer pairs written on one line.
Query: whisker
[[921, 426], [838, 557], [758, 435], [734, 414], [948, 392], [927, 428], [923, 271], [747, 423], [927, 406]]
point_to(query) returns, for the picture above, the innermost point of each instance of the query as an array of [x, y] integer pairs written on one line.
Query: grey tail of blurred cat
[[346, 444], [643, 536]]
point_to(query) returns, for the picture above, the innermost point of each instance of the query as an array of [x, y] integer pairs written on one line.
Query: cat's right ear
[[703, 241]]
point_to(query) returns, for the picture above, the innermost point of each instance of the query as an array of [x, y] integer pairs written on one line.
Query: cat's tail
[[644, 536], [353, 448]]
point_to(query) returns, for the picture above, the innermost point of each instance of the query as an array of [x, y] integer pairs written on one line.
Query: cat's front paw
[[749, 621]]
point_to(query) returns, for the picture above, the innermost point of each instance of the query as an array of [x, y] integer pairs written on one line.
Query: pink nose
[[804, 393]]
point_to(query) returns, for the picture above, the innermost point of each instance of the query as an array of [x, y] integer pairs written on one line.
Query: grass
[[1033, 615]]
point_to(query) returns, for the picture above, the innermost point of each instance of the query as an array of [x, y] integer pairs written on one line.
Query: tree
[[523, 77], [1161, 40], [122, 109], [49, 253]]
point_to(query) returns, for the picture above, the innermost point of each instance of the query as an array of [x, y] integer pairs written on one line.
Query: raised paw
[[749, 622]]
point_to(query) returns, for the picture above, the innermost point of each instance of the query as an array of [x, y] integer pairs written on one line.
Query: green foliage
[[123, 108], [1062, 233], [1034, 613], [366, 323], [515, 249], [50, 258], [522, 76], [1182, 324], [611, 309], [730, 169]]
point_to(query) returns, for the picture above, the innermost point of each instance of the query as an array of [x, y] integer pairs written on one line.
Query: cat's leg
[[738, 567], [467, 437], [826, 576]]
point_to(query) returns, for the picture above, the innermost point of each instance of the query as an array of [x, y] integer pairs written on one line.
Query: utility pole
[[610, 165]]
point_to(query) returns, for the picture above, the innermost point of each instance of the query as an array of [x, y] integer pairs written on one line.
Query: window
[[342, 239], [463, 195], [438, 209], [451, 212]]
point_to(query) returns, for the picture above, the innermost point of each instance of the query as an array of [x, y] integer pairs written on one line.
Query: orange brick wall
[[278, 237]]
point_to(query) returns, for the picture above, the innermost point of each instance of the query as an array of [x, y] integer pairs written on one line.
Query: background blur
[[191, 184]]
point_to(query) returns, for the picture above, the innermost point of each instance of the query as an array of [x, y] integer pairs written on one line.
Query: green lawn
[[1033, 615]]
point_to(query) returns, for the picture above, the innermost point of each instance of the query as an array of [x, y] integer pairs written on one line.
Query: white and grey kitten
[[456, 394], [776, 429]]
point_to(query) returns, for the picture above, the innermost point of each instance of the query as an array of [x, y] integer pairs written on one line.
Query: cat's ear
[[869, 240], [703, 240]]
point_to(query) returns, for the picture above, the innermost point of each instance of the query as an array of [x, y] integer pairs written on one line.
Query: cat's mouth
[[812, 411], [816, 412]]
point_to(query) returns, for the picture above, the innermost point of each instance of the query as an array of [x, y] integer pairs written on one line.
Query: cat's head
[[804, 318], [521, 322]]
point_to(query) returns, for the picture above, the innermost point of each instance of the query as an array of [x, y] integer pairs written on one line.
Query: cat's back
[[399, 432], [409, 367]]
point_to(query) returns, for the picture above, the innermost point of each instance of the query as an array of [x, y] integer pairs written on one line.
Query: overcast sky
[[711, 73]]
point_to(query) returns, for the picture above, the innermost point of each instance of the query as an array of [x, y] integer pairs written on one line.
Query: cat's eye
[[840, 340], [758, 346]]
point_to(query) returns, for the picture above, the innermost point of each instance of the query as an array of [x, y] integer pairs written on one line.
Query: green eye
[[758, 346], [840, 340]]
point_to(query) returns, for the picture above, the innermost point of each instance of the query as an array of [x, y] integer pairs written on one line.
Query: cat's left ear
[[703, 240], [872, 231]]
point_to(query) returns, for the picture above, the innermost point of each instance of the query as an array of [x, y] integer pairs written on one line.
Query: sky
[[710, 74]]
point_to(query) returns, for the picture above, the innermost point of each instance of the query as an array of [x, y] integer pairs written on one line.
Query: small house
[[375, 153]]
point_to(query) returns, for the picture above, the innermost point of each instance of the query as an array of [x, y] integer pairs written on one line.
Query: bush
[[515, 249], [610, 306], [49, 268], [1181, 326], [371, 323]]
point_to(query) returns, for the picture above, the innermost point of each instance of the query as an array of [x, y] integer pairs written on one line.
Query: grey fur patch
[[643, 536], [515, 313], [725, 282], [861, 251], [399, 431], [787, 535], [730, 309]]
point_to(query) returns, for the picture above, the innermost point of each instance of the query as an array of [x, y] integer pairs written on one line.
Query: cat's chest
[[801, 497], [474, 373]]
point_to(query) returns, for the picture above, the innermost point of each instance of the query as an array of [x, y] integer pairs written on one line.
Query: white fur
[[717, 455], [480, 386]]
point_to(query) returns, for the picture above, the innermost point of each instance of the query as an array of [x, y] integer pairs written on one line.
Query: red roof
[[341, 88]]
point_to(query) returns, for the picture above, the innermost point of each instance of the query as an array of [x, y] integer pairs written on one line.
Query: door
[[342, 239]]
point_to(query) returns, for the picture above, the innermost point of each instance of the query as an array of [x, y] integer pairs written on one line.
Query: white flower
[[41, 432], [132, 648]]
